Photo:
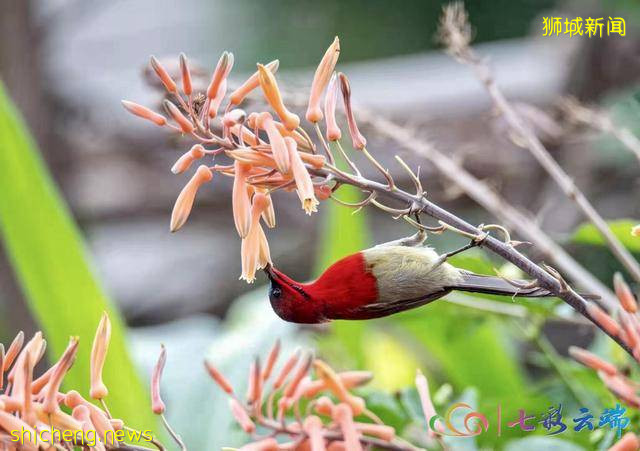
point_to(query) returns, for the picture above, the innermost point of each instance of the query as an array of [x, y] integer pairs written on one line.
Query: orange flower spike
[[186, 75], [225, 64], [267, 444], [303, 370], [603, 319], [286, 369], [218, 377], [144, 113], [321, 79], [335, 385], [240, 201], [215, 103], [98, 356], [185, 124], [13, 351], [344, 417], [624, 294], [425, 399], [274, 98], [184, 202], [164, 76], [271, 360], [252, 83], [381, 431], [241, 416], [304, 185], [313, 427], [187, 159], [157, 405], [628, 442], [50, 403], [592, 361], [330, 102], [278, 146], [358, 141]]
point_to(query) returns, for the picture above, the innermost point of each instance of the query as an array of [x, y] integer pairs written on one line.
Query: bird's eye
[[276, 292]]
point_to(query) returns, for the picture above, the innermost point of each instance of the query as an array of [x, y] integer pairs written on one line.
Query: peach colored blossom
[[425, 399], [218, 377], [144, 113], [628, 442], [592, 361], [349, 379], [186, 75], [247, 136], [286, 369], [330, 102], [241, 416], [98, 357], [313, 427], [300, 140], [603, 319], [215, 103], [320, 80], [224, 66], [335, 385], [240, 202], [185, 124], [98, 418], [358, 141], [381, 431], [304, 185], [254, 255], [233, 117], [324, 406], [303, 370], [185, 199], [269, 213], [274, 98], [624, 294], [9, 422], [277, 142], [271, 360], [252, 83], [164, 76], [50, 402], [13, 351], [344, 417], [186, 160], [81, 414], [157, 405]]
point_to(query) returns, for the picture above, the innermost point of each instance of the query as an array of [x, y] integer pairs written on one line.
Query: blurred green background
[[85, 198]]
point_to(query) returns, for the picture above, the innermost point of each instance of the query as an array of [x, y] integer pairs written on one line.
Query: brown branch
[[455, 33]]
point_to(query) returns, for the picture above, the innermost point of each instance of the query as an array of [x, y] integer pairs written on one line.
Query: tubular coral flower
[[240, 200], [271, 360], [324, 406], [247, 136], [335, 385], [320, 80], [304, 185], [343, 416], [278, 146], [225, 63], [272, 95], [215, 103], [164, 76], [628, 442], [241, 416], [358, 141], [253, 386], [144, 113], [218, 377], [50, 402], [330, 102], [98, 356], [603, 319], [621, 388], [350, 379], [187, 159], [157, 405], [624, 294], [81, 414], [186, 75], [313, 427], [185, 124], [592, 361], [300, 140], [252, 83], [267, 444], [382, 431], [286, 369], [9, 422], [13, 351], [269, 214], [254, 256], [98, 418], [185, 199], [303, 369], [425, 399]]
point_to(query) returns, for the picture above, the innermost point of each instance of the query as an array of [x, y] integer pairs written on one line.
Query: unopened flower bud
[[320, 80], [592, 361], [225, 64], [184, 202], [185, 124], [274, 98], [186, 75], [624, 294], [144, 112], [98, 356], [184, 162], [164, 76], [218, 377], [157, 405], [252, 83], [358, 141], [241, 416], [603, 319]]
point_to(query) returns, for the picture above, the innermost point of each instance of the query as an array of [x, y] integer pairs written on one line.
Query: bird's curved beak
[[268, 270]]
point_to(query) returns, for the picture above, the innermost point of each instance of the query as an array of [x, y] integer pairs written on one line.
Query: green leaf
[[589, 235], [51, 265]]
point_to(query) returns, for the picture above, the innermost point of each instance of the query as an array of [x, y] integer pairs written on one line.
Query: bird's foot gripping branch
[[267, 151]]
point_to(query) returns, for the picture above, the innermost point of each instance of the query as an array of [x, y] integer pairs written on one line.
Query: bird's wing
[[380, 309], [495, 285]]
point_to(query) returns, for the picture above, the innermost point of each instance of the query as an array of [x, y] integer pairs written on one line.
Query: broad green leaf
[[52, 267], [587, 234]]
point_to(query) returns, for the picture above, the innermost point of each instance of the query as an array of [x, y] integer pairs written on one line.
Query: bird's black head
[[289, 299]]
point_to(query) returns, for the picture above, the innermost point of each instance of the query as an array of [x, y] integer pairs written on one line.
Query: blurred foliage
[[51, 265]]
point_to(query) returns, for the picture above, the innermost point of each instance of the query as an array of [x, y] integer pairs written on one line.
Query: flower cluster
[[267, 150], [624, 324], [31, 408], [309, 413]]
